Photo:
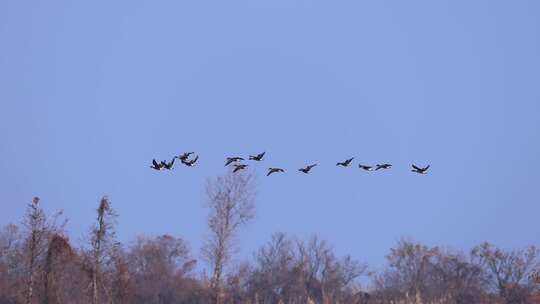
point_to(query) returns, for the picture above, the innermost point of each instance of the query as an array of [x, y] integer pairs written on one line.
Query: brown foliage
[[39, 265], [63, 275]]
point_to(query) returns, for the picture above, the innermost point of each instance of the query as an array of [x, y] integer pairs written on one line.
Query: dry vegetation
[[38, 264]]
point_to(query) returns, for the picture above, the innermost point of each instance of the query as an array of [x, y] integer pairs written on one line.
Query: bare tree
[[122, 286], [102, 242], [510, 271], [307, 272], [237, 284], [272, 279], [230, 199], [409, 273], [39, 228], [326, 276], [11, 265], [158, 265], [456, 279]]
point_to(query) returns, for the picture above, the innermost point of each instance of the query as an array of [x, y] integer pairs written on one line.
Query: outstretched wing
[[154, 162], [427, 167], [416, 168]]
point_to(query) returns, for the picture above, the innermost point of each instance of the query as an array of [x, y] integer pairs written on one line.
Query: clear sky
[[91, 91]]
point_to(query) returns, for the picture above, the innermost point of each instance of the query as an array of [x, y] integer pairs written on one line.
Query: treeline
[[39, 264]]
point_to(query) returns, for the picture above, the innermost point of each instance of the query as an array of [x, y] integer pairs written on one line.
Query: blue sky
[[90, 92]]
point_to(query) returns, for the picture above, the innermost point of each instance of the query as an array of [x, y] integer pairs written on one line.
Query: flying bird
[[307, 168], [232, 160], [383, 166], [190, 163], [345, 163], [239, 167], [257, 157], [274, 170], [184, 156], [168, 165], [156, 166], [420, 170], [367, 168]]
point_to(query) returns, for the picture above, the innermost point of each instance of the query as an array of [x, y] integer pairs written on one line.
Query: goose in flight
[[232, 160], [345, 163], [239, 167], [257, 157], [367, 168], [156, 166], [274, 170], [168, 165], [420, 170], [307, 168], [184, 156], [383, 166], [190, 163]]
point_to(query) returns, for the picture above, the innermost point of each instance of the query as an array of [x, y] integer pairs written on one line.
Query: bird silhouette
[[274, 170], [168, 165], [307, 168], [156, 166], [345, 163], [232, 160], [367, 168], [190, 163], [239, 167], [184, 156], [420, 170], [383, 166], [257, 157]]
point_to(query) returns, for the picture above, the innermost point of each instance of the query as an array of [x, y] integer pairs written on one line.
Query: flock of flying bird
[[238, 165]]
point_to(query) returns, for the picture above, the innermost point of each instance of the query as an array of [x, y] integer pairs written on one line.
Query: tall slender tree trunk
[[220, 259], [31, 268], [30, 283], [95, 297], [96, 271], [97, 255], [218, 271]]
